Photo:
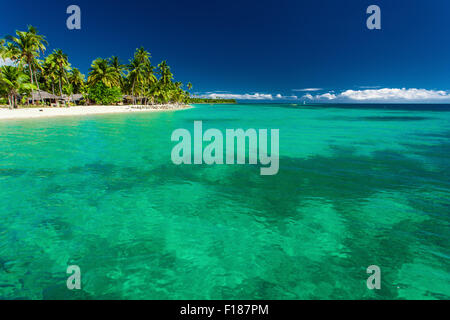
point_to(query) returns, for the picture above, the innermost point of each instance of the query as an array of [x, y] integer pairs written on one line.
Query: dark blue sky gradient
[[256, 46]]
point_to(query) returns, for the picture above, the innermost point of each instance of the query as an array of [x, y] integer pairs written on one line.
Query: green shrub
[[101, 94]]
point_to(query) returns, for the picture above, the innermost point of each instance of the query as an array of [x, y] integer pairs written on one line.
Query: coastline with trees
[[30, 79]]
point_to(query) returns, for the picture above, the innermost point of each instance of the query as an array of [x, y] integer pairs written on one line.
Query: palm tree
[[187, 94], [160, 92], [29, 45], [167, 87], [76, 80], [10, 52], [2, 48], [140, 69], [49, 72], [102, 71], [14, 82], [165, 73], [149, 80], [61, 64], [119, 68]]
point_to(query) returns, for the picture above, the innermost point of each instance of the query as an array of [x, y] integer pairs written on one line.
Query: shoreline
[[34, 113]]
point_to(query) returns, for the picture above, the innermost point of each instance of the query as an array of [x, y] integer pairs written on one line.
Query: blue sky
[[262, 49]]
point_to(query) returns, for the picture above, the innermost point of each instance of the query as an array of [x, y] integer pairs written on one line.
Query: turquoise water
[[357, 186]]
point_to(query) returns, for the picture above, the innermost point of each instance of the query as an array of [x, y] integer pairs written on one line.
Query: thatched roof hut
[[37, 95]]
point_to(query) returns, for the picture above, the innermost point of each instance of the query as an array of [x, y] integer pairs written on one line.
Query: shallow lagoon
[[357, 186]]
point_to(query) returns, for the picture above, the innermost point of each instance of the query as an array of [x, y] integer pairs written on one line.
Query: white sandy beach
[[24, 113]]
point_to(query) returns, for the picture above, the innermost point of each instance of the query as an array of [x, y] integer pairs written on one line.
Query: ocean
[[358, 185]]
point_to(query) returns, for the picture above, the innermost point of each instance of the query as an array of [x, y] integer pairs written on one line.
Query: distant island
[[30, 79], [208, 100]]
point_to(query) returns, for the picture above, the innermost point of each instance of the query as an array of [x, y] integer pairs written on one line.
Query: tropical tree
[[166, 75], [149, 81], [49, 73], [167, 90], [14, 82], [76, 80], [2, 48], [102, 71], [10, 52], [61, 66], [139, 70], [159, 92], [24, 48], [119, 68]]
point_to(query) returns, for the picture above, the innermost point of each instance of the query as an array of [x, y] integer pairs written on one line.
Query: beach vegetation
[[14, 83], [104, 95], [102, 72], [52, 79], [77, 81]]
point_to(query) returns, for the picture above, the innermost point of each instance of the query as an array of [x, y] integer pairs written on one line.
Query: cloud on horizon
[[383, 95], [247, 96], [394, 95], [307, 89]]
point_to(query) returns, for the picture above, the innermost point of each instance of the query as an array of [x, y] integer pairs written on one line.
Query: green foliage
[[76, 80], [101, 94], [102, 71], [14, 83], [166, 75], [25, 47], [107, 78]]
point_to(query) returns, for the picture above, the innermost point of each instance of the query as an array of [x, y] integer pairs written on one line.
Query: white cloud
[[385, 95], [395, 94], [367, 95], [6, 62], [247, 96], [307, 89], [329, 96]]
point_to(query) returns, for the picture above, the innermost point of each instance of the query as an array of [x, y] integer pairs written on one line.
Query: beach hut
[[127, 99], [44, 96]]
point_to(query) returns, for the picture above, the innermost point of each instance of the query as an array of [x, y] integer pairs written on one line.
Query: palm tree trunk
[[132, 92], [60, 88], [39, 89], [31, 81], [71, 93]]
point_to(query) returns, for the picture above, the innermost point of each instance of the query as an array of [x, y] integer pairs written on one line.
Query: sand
[[26, 113]]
